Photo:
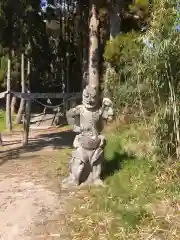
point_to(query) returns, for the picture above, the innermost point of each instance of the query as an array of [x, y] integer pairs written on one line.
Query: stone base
[[97, 182], [69, 183]]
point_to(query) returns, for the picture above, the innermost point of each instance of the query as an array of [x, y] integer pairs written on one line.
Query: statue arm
[[73, 112], [73, 115]]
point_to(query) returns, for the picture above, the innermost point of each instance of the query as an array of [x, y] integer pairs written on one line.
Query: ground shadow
[[61, 140], [113, 165], [54, 141]]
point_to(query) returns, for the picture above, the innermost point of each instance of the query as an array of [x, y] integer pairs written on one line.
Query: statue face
[[89, 97]]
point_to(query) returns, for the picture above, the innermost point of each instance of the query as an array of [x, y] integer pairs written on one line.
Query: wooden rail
[[3, 94], [28, 96]]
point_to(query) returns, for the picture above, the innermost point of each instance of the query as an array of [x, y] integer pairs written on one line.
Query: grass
[[2, 120], [141, 199]]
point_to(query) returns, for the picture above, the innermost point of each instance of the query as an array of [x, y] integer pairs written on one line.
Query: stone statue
[[87, 119], [87, 158]]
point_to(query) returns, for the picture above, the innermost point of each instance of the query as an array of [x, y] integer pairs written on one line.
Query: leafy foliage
[[151, 72], [122, 52], [14, 35], [54, 54]]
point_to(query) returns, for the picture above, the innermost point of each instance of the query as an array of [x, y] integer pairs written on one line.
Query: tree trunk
[[22, 103], [8, 98], [20, 112], [94, 50], [115, 28], [13, 104], [115, 21]]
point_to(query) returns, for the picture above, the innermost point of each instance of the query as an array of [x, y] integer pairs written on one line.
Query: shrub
[[161, 70], [149, 75], [122, 52]]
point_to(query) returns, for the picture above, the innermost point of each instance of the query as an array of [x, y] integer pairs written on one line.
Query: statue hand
[[107, 102], [107, 110], [103, 141]]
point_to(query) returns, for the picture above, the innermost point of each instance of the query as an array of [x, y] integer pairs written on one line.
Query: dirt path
[[32, 204]]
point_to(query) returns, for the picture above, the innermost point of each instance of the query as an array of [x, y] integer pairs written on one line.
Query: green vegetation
[[122, 54], [141, 196], [2, 120], [145, 69], [123, 51]]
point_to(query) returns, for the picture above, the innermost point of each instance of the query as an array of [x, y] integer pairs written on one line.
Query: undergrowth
[[144, 67], [2, 120], [141, 197]]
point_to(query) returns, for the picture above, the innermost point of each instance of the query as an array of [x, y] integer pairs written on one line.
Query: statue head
[[94, 10], [89, 97]]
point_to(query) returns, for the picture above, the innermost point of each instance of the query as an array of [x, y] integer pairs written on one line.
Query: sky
[[44, 4]]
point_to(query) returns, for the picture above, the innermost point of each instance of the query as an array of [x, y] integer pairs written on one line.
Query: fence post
[[8, 98], [28, 74], [27, 117]]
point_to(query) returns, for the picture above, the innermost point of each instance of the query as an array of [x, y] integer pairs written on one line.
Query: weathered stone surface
[[87, 158]]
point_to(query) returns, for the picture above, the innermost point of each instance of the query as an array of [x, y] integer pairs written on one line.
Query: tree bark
[[94, 49], [13, 104], [115, 28], [22, 103], [114, 23], [115, 20], [8, 98]]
